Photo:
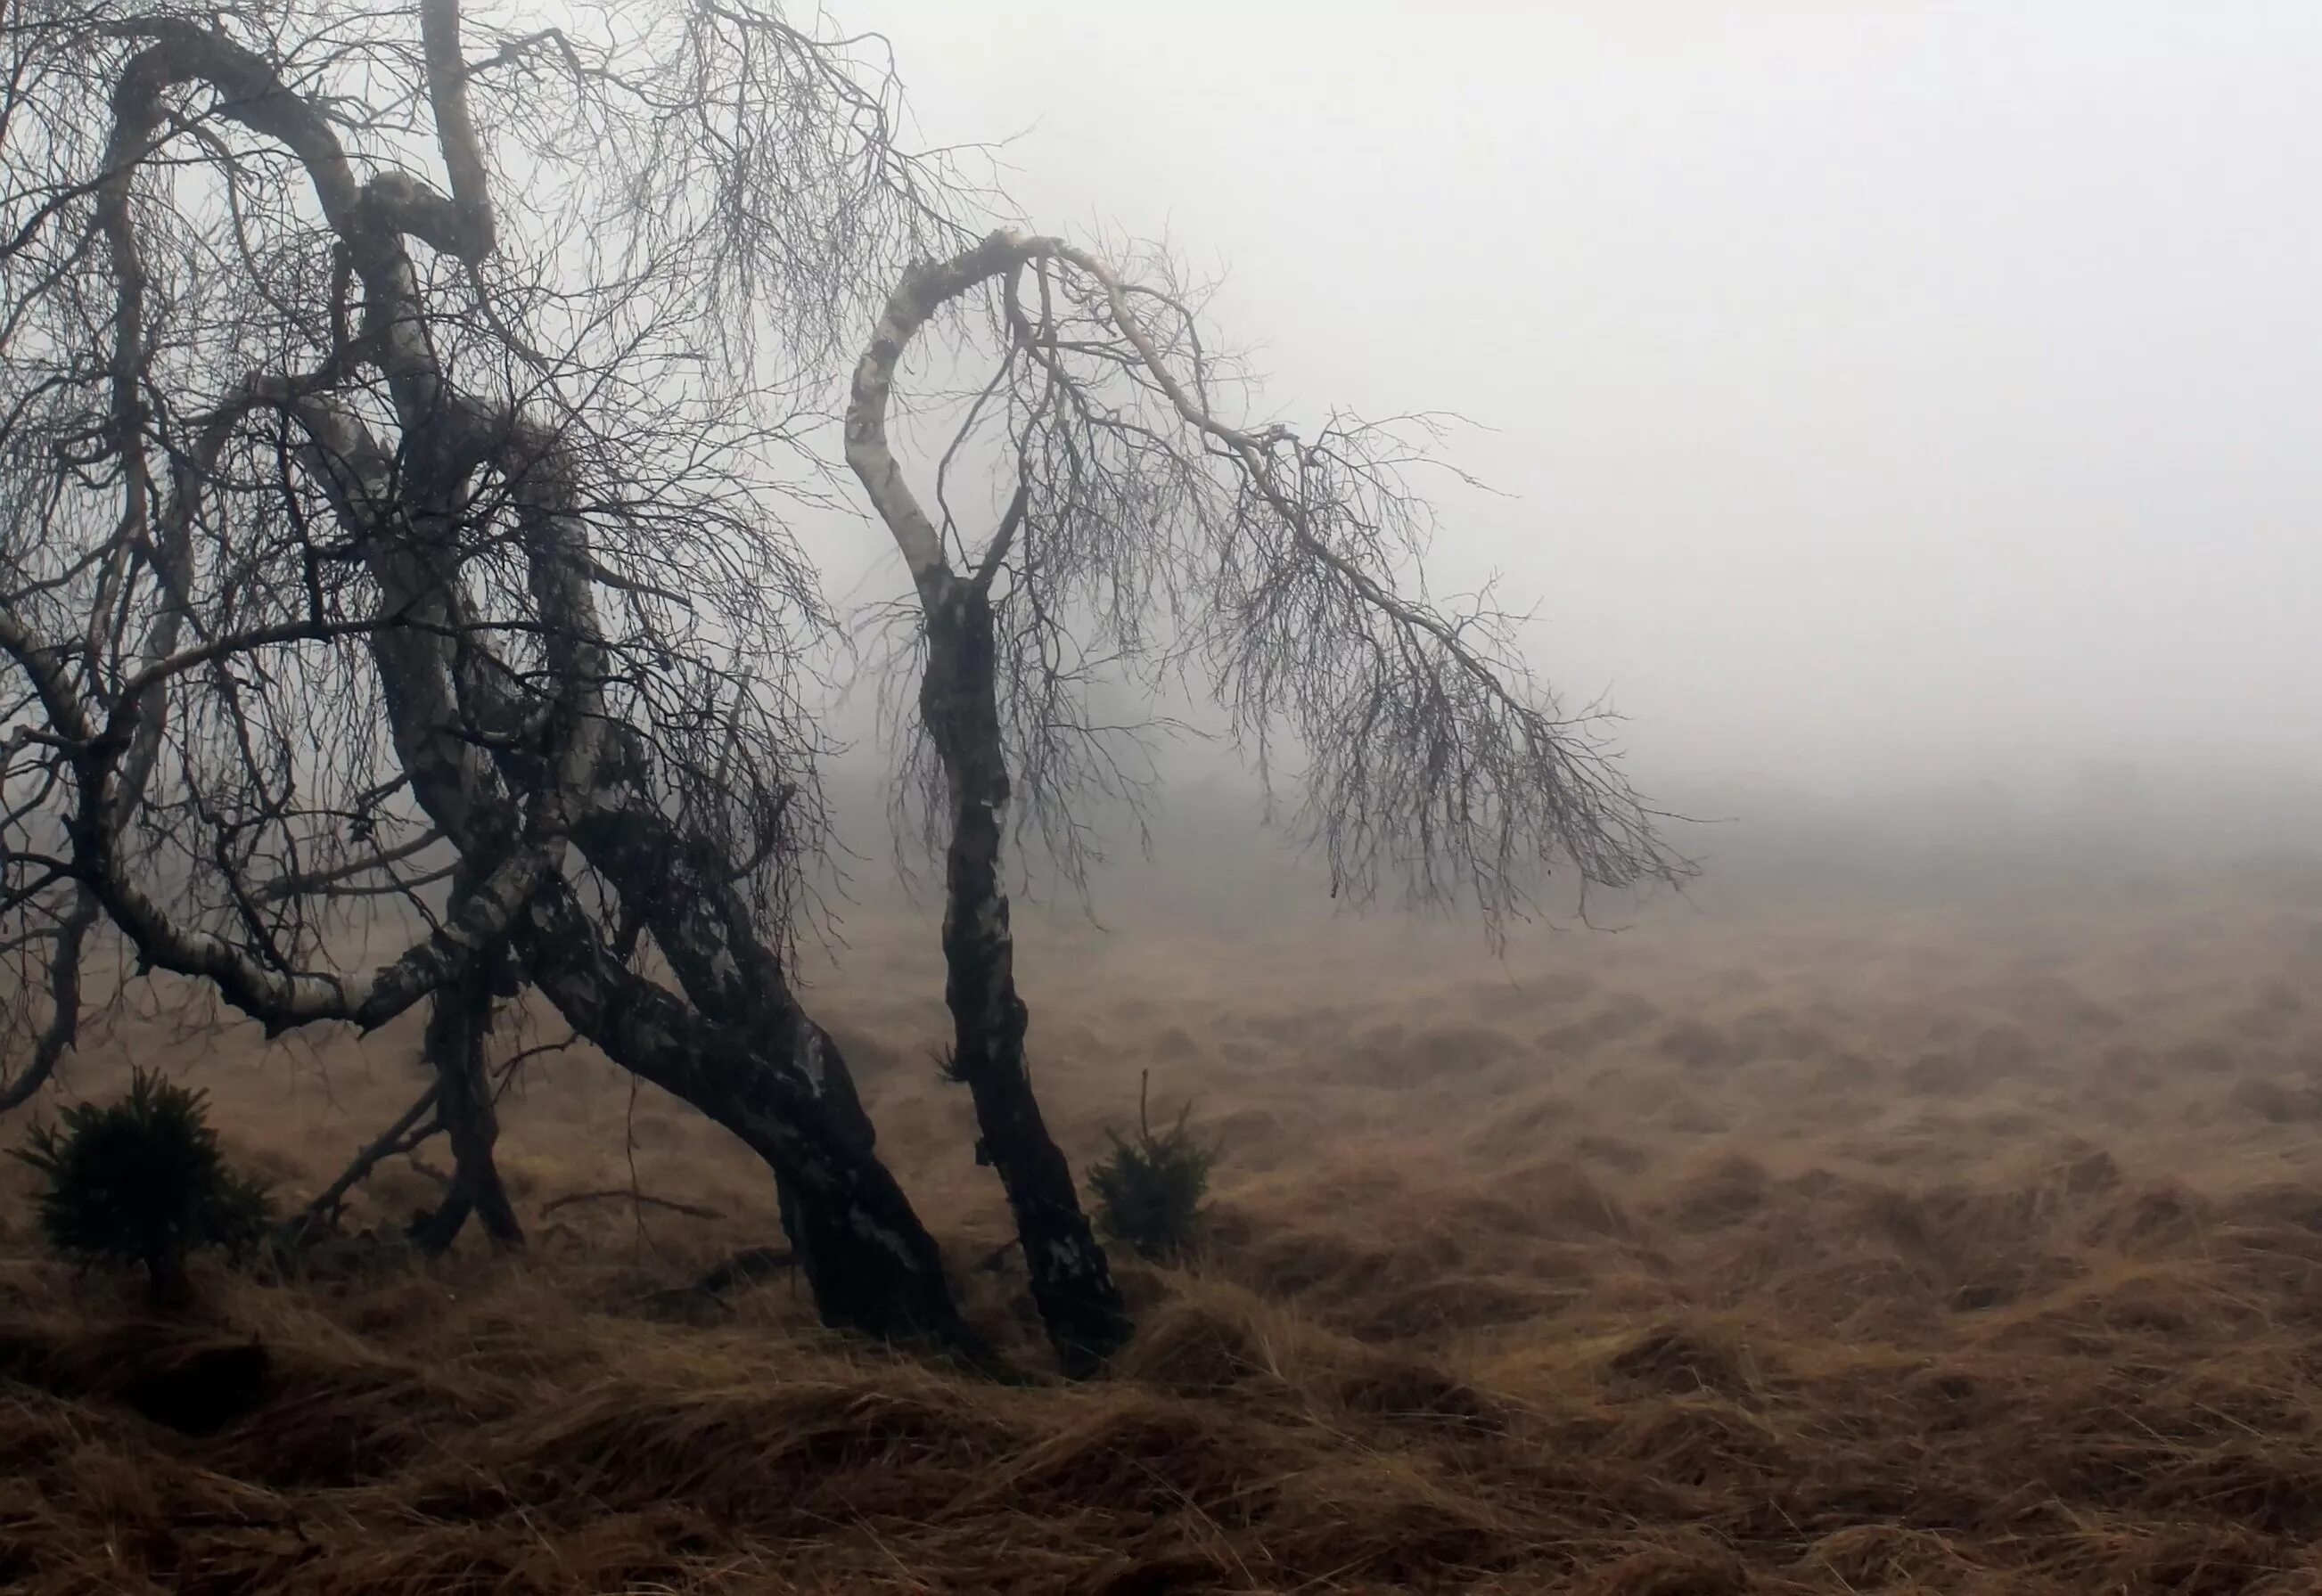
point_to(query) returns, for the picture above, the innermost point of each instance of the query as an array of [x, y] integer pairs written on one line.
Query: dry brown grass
[[1918, 1253]]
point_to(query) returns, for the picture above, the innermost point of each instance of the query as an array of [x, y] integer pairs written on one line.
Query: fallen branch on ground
[[692, 1211]]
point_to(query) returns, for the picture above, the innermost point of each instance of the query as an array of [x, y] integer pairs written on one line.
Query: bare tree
[[398, 415], [391, 534], [1139, 531]]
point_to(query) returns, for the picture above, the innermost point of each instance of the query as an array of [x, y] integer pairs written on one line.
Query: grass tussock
[[1762, 1264]]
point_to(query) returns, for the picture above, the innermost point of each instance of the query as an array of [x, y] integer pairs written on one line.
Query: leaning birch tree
[[395, 437], [1140, 532]]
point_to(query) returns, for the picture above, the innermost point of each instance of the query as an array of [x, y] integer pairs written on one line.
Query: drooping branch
[[459, 1029], [495, 534], [691, 1210], [322, 880], [277, 999], [115, 766], [1151, 532], [1148, 533], [356, 472]]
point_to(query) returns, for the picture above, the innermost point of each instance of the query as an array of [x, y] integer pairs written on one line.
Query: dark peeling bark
[[682, 892], [872, 1265], [1072, 1283], [681, 888], [869, 1260]]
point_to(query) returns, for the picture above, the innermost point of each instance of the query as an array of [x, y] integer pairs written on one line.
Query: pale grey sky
[[1885, 387]]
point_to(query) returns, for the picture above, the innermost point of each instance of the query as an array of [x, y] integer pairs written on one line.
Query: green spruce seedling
[[1149, 1191], [142, 1180]]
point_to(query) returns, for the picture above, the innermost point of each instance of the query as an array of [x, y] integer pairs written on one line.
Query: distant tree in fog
[[398, 420]]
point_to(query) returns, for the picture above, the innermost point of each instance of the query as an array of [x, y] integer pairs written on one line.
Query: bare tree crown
[[1148, 529], [297, 356]]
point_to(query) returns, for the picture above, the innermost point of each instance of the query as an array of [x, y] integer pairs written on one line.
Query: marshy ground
[[1956, 1249]]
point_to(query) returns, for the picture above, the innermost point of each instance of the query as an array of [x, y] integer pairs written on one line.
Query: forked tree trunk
[[768, 1075], [458, 1027], [870, 1264], [778, 1084], [1086, 1318]]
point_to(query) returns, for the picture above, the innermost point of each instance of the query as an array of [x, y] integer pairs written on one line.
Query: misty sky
[[1885, 388]]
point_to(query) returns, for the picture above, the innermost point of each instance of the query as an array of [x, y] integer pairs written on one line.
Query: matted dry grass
[[1909, 1253]]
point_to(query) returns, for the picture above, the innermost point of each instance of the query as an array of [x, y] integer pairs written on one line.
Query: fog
[[1894, 397]]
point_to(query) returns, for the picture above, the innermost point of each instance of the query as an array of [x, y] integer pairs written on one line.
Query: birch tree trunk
[[1072, 1283]]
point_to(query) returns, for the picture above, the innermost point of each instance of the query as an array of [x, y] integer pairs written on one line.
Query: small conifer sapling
[[142, 1180], [1149, 1191]]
